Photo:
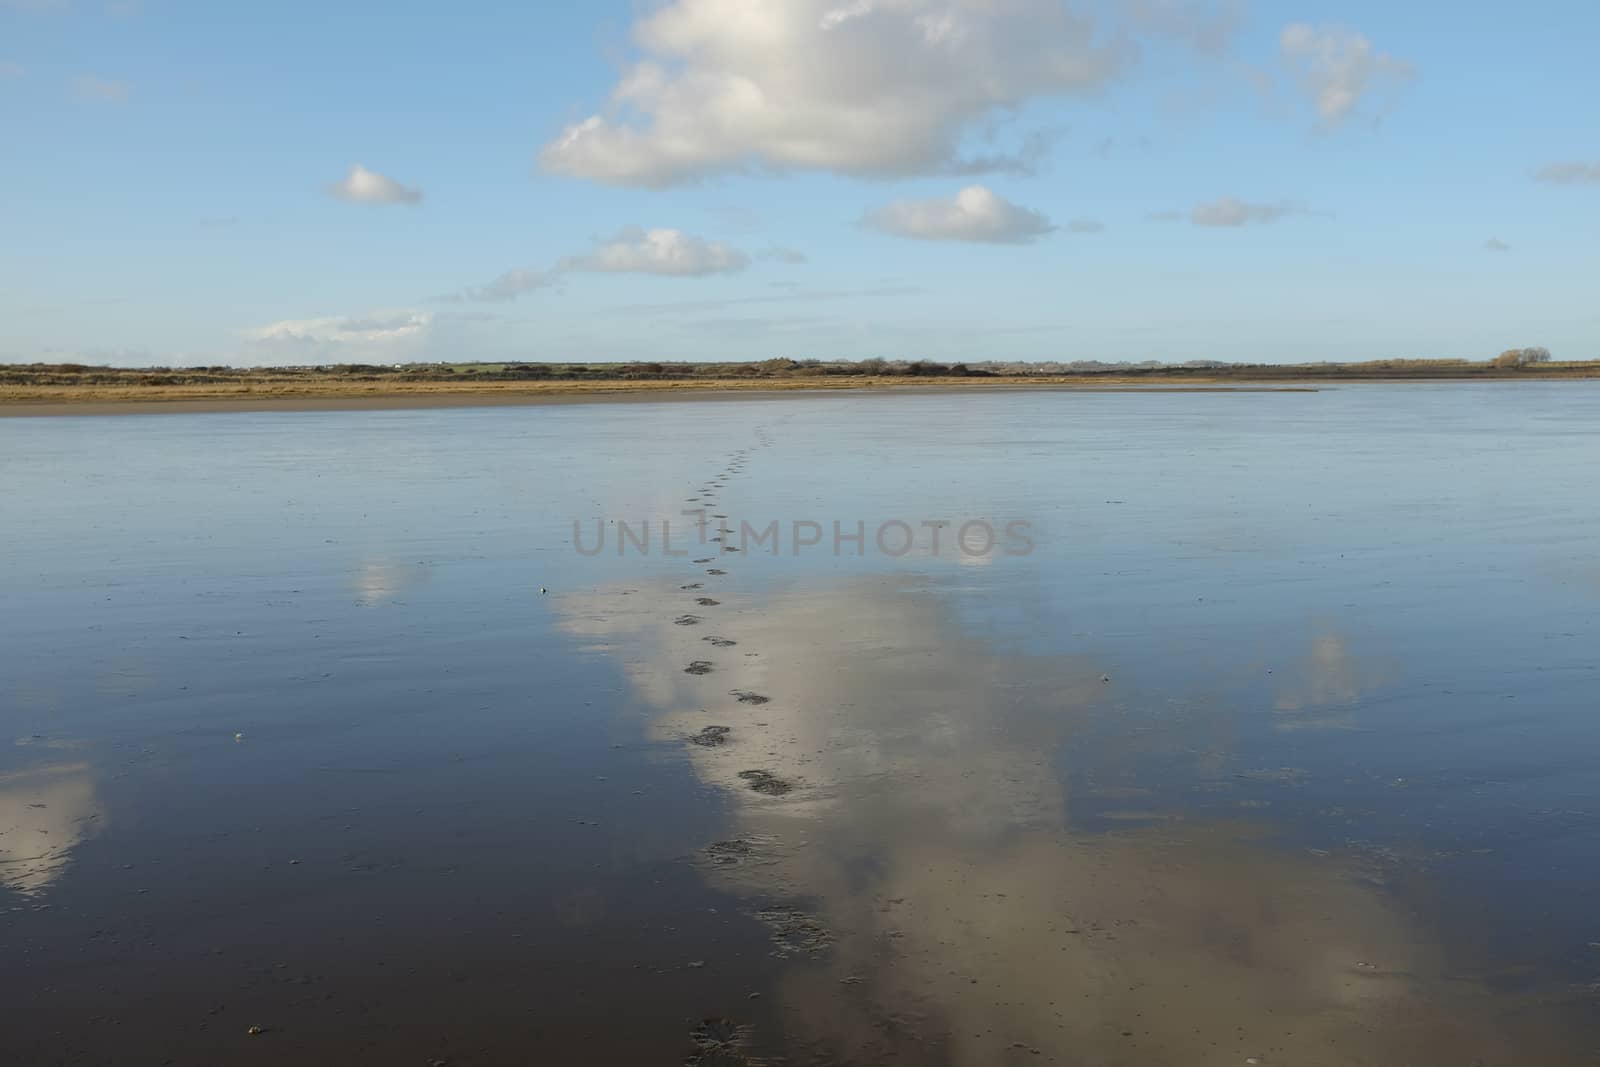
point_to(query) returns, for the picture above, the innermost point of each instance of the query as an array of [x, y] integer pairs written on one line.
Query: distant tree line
[[66, 374]]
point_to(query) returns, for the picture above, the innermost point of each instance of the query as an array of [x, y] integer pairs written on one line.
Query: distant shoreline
[[90, 400], [335, 394]]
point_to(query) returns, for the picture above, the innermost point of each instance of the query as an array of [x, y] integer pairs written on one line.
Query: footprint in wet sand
[[706, 602], [719, 1043], [720, 642], [708, 559], [692, 585], [766, 783], [686, 620], [699, 666], [712, 570], [746, 697], [711, 736]]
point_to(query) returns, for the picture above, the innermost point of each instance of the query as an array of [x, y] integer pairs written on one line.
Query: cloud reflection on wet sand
[[45, 812], [926, 831]]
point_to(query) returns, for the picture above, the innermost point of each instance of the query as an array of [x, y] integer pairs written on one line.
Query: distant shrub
[[1521, 357]]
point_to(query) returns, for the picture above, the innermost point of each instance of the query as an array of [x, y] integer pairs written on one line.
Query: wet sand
[[370, 763]]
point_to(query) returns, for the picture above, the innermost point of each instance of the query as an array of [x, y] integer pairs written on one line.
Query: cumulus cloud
[[859, 87], [363, 186], [1228, 211], [636, 250], [1494, 244], [1575, 172], [973, 214], [1337, 67], [89, 87]]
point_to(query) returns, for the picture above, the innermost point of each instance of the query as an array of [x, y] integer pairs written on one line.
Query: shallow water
[[1268, 734]]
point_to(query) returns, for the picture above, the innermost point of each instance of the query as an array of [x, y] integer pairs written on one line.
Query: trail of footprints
[[758, 780], [723, 1041]]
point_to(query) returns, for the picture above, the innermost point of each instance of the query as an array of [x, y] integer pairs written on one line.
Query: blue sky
[[742, 179]]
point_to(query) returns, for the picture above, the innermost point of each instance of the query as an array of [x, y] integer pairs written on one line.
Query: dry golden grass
[[408, 393], [252, 389]]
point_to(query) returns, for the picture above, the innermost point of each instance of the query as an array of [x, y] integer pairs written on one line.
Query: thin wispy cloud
[[1494, 244], [1228, 211], [363, 186], [1339, 68], [90, 87], [1574, 172], [633, 250], [725, 86], [779, 254], [1207, 27], [973, 214], [509, 286]]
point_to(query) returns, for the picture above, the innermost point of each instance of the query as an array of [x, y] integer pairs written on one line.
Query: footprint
[[699, 666], [712, 570], [692, 585], [766, 783], [706, 602], [720, 642], [708, 559], [711, 736], [746, 697], [686, 620]]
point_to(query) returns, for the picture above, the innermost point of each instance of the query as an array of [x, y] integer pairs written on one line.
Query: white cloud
[[1576, 172], [860, 87], [12, 70], [1228, 211], [660, 251], [362, 186], [389, 334], [973, 214], [1494, 244], [1337, 67], [634, 250], [89, 87]]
